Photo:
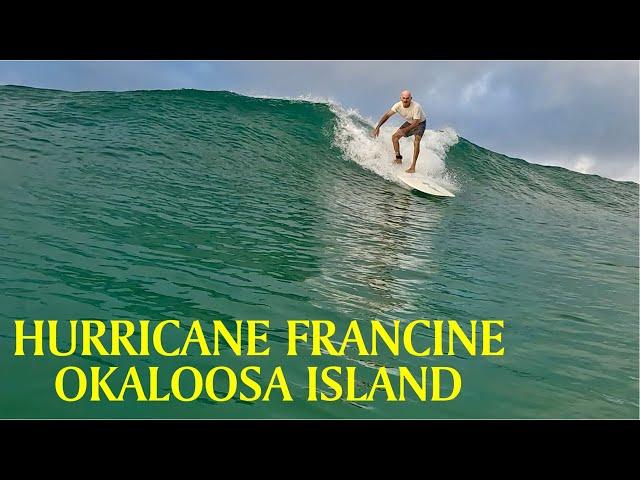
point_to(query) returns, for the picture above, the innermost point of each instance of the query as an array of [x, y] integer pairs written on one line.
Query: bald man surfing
[[415, 125]]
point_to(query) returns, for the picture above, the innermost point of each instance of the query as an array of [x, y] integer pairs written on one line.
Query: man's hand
[[376, 132]]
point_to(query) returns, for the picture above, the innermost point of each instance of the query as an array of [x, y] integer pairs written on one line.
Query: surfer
[[415, 125]]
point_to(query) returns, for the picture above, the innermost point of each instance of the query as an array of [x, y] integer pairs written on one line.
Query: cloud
[[584, 164], [476, 89]]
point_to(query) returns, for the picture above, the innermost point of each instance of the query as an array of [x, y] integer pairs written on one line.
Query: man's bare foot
[[411, 170], [397, 160]]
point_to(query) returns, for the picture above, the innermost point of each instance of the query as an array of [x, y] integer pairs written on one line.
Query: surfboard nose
[[427, 186]]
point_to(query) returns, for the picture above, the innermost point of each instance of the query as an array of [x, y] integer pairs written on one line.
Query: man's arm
[[384, 118]]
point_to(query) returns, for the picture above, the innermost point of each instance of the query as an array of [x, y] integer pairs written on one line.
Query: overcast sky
[[581, 115]]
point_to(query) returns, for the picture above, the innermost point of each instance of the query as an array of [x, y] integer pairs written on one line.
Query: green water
[[209, 205]]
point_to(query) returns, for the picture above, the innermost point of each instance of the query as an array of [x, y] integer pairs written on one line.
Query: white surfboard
[[425, 185]]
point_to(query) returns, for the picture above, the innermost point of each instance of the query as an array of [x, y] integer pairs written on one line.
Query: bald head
[[405, 98]]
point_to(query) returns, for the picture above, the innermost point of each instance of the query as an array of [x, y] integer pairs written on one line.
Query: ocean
[[187, 204]]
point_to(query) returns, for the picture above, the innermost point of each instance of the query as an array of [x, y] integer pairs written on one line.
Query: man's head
[[405, 98]]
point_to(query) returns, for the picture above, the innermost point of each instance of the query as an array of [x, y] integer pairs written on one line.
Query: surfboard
[[425, 185]]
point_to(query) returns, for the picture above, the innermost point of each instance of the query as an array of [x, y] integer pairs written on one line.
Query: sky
[[581, 115]]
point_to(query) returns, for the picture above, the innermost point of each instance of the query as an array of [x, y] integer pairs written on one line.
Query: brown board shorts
[[417, 130]]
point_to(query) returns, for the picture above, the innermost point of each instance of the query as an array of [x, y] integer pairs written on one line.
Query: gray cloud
[[581, 115]]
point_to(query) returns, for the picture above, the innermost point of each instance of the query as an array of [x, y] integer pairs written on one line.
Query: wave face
[[210, 205]]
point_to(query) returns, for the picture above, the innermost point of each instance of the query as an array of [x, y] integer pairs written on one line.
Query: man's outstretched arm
[[384, 118]]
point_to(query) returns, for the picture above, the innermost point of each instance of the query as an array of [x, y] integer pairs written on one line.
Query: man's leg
[[416, 152], [395, 140]]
